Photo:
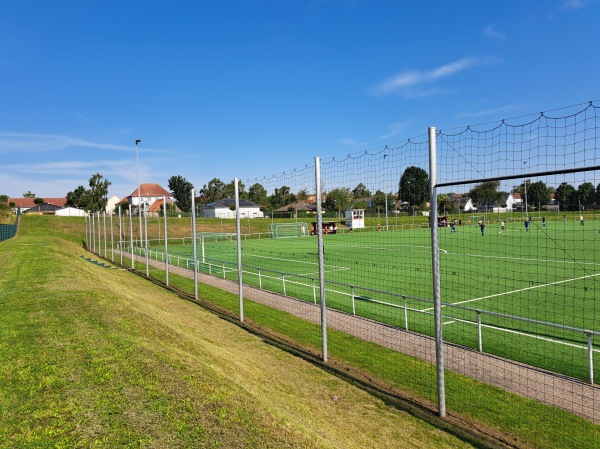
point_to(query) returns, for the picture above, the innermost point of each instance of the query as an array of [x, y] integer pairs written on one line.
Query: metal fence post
[[321, 259], [194, 244], [239, 247], [435, 256], [105, 241], [131, 238], [166, 241], [120, 237]]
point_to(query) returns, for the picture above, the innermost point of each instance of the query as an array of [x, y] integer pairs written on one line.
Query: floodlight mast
[[137, 163]]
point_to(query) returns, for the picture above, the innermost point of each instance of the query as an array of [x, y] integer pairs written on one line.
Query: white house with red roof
[[148, 194], [155, 209]]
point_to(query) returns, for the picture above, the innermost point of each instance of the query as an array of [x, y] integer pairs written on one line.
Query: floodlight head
[[137, 141]]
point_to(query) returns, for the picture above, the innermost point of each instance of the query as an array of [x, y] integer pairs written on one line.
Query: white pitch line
[[426, 249], [336, 267], [519, 290], [572, 262]]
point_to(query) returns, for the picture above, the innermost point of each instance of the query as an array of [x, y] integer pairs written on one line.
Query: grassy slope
[[95, 357], [527, 422]]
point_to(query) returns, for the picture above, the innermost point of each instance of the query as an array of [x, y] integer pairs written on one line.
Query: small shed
[[355, 218]]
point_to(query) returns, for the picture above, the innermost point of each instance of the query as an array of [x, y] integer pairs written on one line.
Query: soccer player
[[526, 225], [502, 226], [482, 226], [581, 219], [543, 222]]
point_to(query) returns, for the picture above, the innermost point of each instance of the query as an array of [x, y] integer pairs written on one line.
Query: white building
[[70, 212], [112, 202], [355, 218], [148, 194], [225, 208]]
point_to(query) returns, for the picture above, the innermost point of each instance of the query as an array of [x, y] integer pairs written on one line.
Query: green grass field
[[98, 357], [527, 288]]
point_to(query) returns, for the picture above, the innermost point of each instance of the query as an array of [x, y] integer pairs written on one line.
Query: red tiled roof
[[29, 202], [158, 204], [148, 190]]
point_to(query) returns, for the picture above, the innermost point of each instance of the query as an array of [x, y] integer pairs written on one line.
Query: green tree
[[586, 194], [29, 194], [302, 195], [444, 203], [96, 195], [76, 198], [229, 190], [379, 201], [3, 198], [361, 191], [337, 199], [258, 194], [565, 195], [537, 194], [281, 197], [486, 192], [182, 192], [215, 190], [39, 201], [414, 186]]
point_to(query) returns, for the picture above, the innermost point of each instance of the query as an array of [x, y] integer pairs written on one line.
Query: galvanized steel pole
[[166, 241], [194, 244], [435, 257], [321, 259], [238, 231]]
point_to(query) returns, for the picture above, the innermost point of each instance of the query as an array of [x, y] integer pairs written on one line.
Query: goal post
[[211, 237], [285, 230], [215, 236]]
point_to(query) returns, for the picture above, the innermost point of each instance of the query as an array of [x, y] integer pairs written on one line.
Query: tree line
[[412, 194]]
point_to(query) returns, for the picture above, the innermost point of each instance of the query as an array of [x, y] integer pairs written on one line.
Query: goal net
[[207, 237], [283, 230]]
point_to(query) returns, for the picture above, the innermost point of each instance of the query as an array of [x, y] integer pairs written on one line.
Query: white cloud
[[394, 129], [574, 5], [35, 143], [409, 79], [350, 141], [491, 32], [492, 111]]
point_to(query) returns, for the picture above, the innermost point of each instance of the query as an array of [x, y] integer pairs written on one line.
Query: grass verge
[[95, 357]]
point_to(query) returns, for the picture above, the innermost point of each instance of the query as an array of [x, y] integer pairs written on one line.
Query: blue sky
[[252, 88]]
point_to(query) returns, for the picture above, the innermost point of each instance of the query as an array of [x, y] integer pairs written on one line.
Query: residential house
[[42, 209], [157, 207], [518, 202], [225, 208], [299, 206], [148, 194], [28, 203], [553, 204], [111, 204], [507, 203], [464, 203]]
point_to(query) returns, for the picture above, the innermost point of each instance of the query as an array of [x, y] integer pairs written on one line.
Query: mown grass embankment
[[97, 357]]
